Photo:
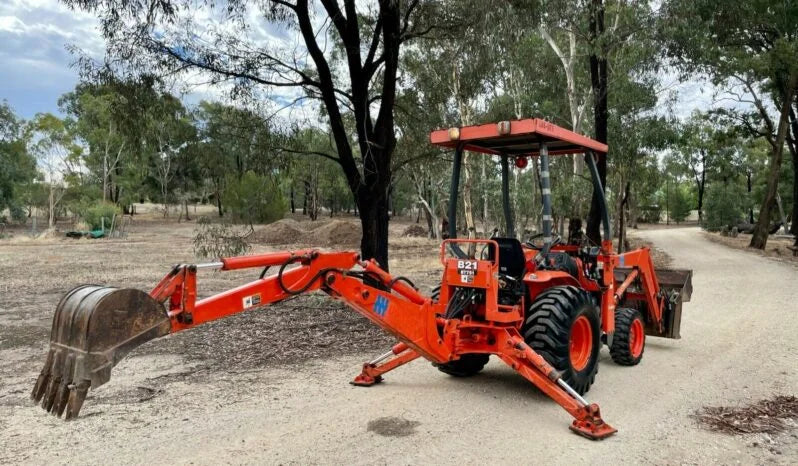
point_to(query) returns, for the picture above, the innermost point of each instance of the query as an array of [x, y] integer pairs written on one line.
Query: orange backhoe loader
[[543, 307]]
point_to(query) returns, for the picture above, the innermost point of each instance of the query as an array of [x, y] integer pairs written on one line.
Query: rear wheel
[[629, 340], [563, 326], [468, 364]]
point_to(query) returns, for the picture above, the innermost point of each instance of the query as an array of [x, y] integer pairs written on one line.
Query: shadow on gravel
[[392, 426]]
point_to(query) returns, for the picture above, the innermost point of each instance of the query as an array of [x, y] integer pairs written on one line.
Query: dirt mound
[[322, 233], [337, 233], [416, 231], [283, 231]]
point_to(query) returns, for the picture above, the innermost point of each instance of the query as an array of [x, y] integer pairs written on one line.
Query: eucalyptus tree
[[361, 79], [751, 49], [55, 150], [17, 165]]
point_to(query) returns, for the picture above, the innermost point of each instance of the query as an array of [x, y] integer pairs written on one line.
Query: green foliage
[[215, 240], [650, 213], [680, 203], [17, 166], [99, 214], [725, 205], [254, 199]]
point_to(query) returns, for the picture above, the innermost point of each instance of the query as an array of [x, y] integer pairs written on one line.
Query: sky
[[36, 67]]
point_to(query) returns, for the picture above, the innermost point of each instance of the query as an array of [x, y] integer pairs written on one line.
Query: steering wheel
[[556, 239]]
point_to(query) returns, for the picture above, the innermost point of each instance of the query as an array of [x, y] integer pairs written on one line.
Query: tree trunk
[[760, 237], [373, 209], [293, 200], [750, 188], [598, 80], [468, 204], [483, 184], [701, 188], [51, 205], [621, 223], [793, 146], [794, 216]]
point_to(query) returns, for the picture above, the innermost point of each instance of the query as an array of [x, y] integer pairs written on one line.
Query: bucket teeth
[[94, 327]]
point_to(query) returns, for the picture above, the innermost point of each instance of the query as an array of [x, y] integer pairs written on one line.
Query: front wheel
[[629, 340], [563, 327]]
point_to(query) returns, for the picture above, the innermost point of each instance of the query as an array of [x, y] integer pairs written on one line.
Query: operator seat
[[512, 265], [511, 257]]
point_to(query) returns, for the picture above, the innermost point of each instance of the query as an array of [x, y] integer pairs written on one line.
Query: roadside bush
[[93, 214], [254, 199], [650, 214], [679, 203], [215, 240], [725, 204]]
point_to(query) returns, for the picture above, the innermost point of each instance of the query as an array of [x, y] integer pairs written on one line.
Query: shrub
[[253, 199], [724, 205], [98, 214], [214, 240], [650, 214]]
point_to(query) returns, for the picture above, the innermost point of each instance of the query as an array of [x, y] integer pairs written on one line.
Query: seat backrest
[[511, 257]]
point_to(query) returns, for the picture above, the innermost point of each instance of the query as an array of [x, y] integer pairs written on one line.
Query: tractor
[[544, 307]]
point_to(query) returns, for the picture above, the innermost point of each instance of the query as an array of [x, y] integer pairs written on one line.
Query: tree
[[254, 199], [680, 203], [56, 153], [165, 37], [17, 165], [752, 45], [94, 108]]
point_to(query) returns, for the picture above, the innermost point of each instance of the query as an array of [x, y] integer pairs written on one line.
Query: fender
[[540, 280]]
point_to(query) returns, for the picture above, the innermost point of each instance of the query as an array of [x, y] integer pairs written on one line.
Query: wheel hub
[[581, 343]]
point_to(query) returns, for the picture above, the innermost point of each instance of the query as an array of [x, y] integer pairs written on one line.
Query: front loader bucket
[[677, 287], [94, 327]]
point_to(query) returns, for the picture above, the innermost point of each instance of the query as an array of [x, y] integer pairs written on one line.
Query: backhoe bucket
[[94, 327]]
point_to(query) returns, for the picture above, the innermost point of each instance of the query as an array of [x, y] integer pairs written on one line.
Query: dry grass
[[661, 258], [765, 416]]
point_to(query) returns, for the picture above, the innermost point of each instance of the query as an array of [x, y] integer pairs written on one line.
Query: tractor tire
[[629, 340], [562, 325], [468, 364]]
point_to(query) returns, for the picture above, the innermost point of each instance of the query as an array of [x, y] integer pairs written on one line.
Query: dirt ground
[[777, 247], [270, 386]]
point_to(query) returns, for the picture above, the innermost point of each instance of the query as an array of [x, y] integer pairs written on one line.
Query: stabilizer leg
[[587, 417], [373, 370]]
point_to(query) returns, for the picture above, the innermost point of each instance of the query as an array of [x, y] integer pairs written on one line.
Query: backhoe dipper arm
[[95, 327]]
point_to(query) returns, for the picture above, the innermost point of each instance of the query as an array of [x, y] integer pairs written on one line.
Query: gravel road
[[738, 345]]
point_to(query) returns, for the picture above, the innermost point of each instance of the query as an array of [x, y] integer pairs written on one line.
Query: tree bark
[[293, 199], [621, 222], [598, 81], [760, 237], [793, 146]]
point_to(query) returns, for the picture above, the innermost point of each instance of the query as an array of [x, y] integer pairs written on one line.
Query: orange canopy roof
[[516, 137]]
